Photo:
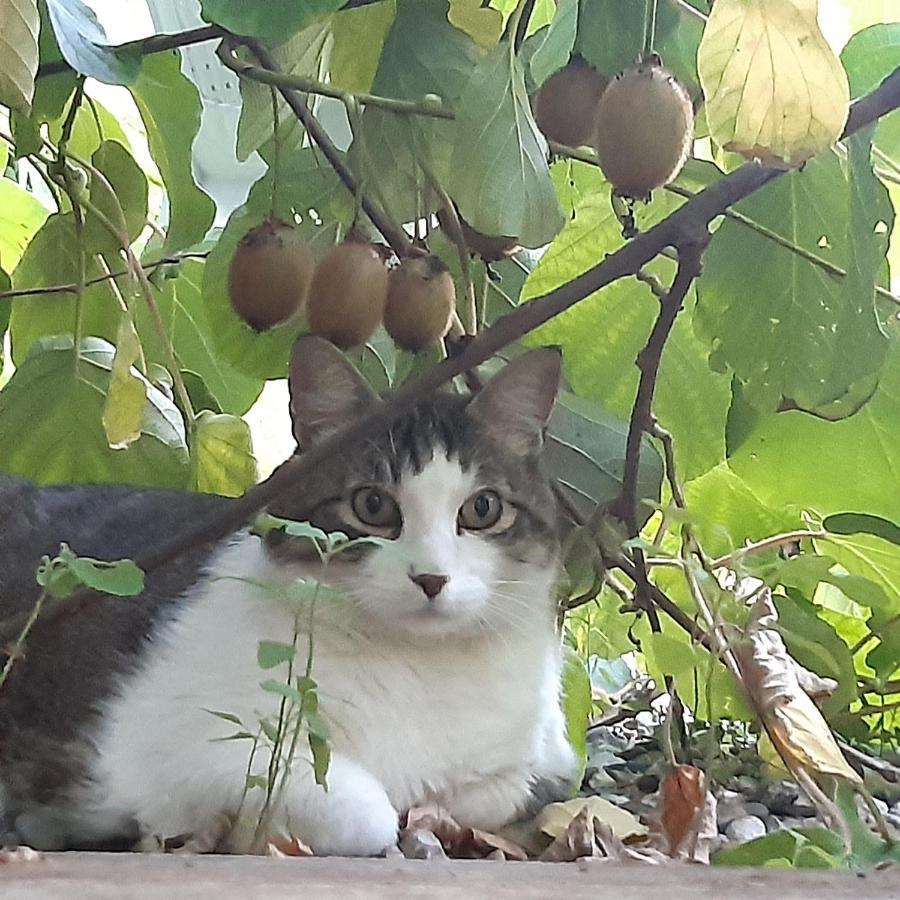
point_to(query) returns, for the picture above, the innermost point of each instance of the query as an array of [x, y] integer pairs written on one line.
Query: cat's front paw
[[354, 817]]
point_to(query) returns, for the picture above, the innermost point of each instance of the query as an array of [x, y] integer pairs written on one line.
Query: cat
[[438, 665]]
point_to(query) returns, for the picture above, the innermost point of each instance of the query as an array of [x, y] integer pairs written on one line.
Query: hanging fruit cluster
[[345, 296], [640, 124]]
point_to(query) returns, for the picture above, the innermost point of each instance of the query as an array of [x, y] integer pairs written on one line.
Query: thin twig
[[684, 222], [769, 543]]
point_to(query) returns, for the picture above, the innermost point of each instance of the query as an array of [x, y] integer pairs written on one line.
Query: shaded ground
[[146, 877]]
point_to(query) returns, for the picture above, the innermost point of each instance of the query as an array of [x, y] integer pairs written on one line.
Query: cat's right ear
[[326, 391]]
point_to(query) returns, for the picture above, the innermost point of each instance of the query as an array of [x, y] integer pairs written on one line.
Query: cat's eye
[[481, 510], [376, 508]]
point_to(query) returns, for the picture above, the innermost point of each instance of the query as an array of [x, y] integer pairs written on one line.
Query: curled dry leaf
[[587, 837], [687, 815], [458, 841], [554, 818], [282, 847], [795, 725]]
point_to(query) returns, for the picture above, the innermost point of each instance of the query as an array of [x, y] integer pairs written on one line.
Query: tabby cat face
[[454, 488]]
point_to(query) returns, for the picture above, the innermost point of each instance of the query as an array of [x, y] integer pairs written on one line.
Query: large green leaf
[[506, 189], [125, 206], [870, 56], [358, 38], [223, 455], [305, 53], [548, 49], [85, 47], [19, 27], [170, 107], [181, 307], [585, 451], [275, 19], [21, 216], [423, 54], [94, 124], [305, 183], [814, 335], [611, 35], [52, 259], [830, 466], [602, 335], [51, 429]]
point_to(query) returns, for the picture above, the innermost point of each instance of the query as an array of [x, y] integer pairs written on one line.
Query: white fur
[[454, 700]]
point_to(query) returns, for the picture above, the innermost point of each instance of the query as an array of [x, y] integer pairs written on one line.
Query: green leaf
[[225, 716], [423, 54], [122, 578], [271, 686], [169, 104], [769, 461], [51, 429], [481, 23], [223, 454], [585, 450], [273, 653], [548, 49], [305, 182], [602, 335], [357, 40], [321, 757], [870, 56], [305, 53], [123, 412], [862, 523], [577, 702], [94, 124], [256, 781], [816, 335], [51, 259], [510, 193], [19, 27], [85, 47], [123, 201], [275, 19], [181, 307], [21, 216], [791, 846], [316, 725]]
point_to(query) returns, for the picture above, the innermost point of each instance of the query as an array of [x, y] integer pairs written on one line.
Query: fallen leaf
[[587, 837], [284, 847], [797, 729], [681, 799], [19, 855], [554, 818], [458, 841]]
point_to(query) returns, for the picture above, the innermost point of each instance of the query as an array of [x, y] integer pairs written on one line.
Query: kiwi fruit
[[490, 248], [565, 105], [420, 302], [347, 295], [643, 129], [269, 275]]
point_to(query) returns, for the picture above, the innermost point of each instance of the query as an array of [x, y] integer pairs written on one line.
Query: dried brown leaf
[[466, 843], [554, 818], [287, 846], [681, 799]]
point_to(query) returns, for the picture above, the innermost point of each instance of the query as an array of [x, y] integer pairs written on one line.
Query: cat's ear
[[515, 405], [326, 391]]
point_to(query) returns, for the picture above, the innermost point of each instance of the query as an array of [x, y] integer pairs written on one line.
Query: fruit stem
[[650, 11]]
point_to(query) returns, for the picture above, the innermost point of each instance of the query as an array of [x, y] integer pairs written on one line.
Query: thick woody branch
[[685, 224]]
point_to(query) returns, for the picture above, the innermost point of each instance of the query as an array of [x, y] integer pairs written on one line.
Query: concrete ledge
[[148, 877]]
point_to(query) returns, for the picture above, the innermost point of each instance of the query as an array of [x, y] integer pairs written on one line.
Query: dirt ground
[[147, 877]]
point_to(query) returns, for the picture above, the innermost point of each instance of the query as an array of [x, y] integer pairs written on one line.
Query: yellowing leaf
[[554, 818], [19, 27], [483, 24], [223, 454], [123, 411], [774, 88]]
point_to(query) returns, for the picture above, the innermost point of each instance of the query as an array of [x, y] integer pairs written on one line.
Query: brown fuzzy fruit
[[489, 247], [269, 274], [420, 302], [347, 295], [566, 103], [644, 127]]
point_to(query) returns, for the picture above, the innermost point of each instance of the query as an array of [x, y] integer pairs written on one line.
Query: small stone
[[756, 809], [781, 797], [729, 809], [802, 810], [883, 808], [647, 784], [421, 844], [772, 824], [744, 829]]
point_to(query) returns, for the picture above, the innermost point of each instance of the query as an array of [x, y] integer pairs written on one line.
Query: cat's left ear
[[515, 405], [326, 391]]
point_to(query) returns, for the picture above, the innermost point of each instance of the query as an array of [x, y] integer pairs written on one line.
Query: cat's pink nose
[[431, 584]]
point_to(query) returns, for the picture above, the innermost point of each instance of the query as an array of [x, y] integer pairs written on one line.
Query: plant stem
[[769, 543], [16, 650]]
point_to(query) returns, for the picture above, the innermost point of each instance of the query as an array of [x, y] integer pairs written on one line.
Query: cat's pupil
[[374, 501], [482, 506]]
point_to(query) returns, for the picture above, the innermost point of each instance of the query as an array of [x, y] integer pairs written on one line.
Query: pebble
[[756, 809], [781, 797], [729, 809], [421, 844], [746, 828]]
